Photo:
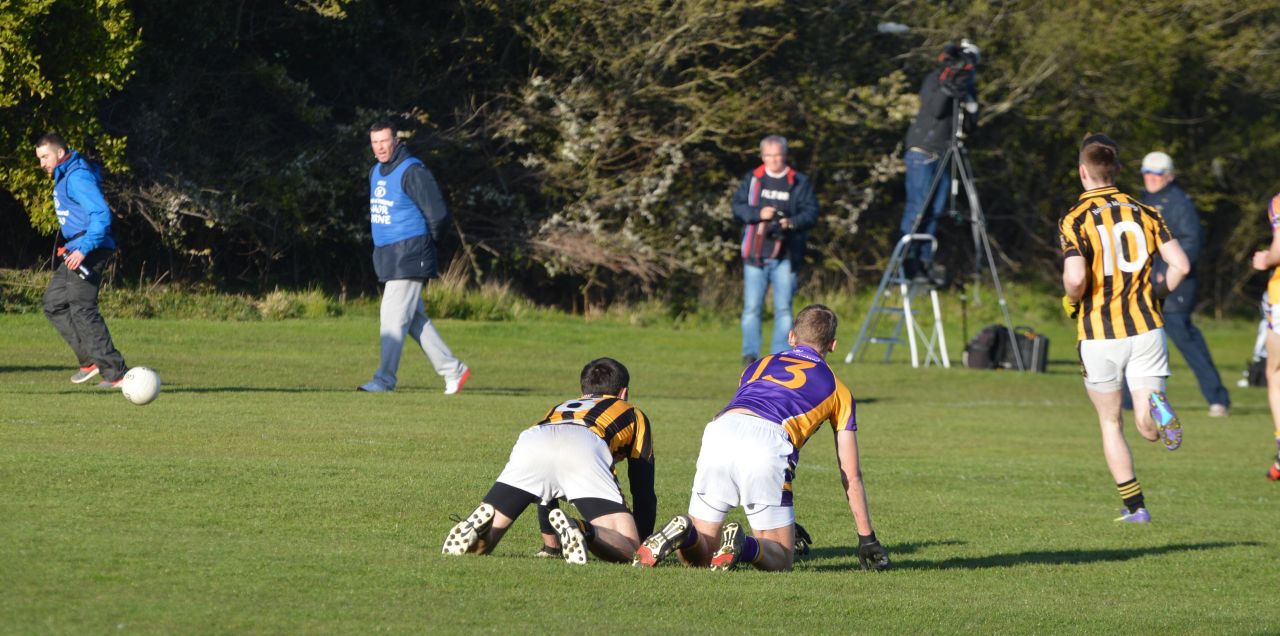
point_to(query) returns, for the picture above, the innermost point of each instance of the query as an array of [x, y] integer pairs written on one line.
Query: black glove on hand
[[803, 541], [872, 555]]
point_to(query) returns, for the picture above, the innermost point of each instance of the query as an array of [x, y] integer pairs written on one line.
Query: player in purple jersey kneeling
[[749, 454]]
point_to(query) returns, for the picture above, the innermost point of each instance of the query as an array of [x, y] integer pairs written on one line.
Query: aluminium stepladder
[[895, 298]]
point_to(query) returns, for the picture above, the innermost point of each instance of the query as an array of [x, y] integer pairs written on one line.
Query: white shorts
[[1142, 360], [745, 461], [562, 461], [1271, 311]]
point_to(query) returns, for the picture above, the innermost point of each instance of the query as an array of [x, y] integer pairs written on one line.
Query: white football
[[140, 385]]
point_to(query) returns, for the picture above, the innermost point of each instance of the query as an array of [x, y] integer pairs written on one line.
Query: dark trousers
[[1190, 343], [71, 304]]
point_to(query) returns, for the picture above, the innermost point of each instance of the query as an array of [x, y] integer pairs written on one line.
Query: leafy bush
[[453, 296], [21, 290], [175, 302]]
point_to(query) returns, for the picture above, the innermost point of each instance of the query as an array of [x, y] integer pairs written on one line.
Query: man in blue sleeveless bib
[[71, 300], [406, 214]]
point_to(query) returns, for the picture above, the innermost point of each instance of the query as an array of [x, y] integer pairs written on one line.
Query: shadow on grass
[[303, 389], [895, 550], [1038, 557], [168, 388], [26, 368], [500, 390]]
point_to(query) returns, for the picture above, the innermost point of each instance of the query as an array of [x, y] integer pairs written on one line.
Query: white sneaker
[[1219, 410], [573, 542], [85, 374], [464, 536], [453, 385], [662, 544]]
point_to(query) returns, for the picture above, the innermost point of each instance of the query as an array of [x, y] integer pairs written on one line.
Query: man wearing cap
[[1164, 194]]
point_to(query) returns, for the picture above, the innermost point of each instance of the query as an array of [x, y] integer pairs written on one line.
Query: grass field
[[260, 493]]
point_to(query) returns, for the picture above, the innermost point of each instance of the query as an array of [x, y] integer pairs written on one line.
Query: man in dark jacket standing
[[777, 205], [927, 141], [407, 213], [71, 300], [1179, 212]]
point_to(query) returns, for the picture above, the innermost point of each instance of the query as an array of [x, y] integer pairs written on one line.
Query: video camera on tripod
[[959, 66], [951, 174]]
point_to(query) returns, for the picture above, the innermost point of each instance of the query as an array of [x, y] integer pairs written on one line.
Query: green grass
[[260, 493]]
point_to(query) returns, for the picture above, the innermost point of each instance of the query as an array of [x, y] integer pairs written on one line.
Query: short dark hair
[[51, 139], [383, 124], [604, 376], [815, 326], [1101, 156]]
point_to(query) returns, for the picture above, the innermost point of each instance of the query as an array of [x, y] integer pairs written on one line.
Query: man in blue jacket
[[407, 213], [777, 206], [1164, 194], [71, 300]]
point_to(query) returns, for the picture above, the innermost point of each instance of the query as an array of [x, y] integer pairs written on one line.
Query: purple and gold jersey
[[797, 390], [1273, 218]]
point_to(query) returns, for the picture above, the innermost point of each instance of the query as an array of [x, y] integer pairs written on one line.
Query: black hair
[[51, 139], [604, 376], [383, 124]]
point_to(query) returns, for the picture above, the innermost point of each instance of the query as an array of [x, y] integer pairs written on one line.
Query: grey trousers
[[403, 313], [71, 304]]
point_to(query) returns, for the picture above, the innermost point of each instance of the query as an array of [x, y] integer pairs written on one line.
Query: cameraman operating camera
[[777, 206], [927, 141]]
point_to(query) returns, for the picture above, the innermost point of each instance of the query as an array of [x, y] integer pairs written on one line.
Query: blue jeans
[[921, 168], [756, 280]]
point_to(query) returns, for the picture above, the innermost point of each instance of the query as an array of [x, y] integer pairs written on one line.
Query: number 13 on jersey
[[792, 371]]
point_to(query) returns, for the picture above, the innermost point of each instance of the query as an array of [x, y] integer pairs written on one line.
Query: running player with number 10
[[749, 454], [1108, 240]]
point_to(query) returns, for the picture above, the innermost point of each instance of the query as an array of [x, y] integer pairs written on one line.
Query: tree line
[[588, 149]]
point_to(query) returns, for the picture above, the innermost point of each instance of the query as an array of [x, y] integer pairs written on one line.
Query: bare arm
[[1264, 260], [1179, 264], [1073, 276], [851, 478]]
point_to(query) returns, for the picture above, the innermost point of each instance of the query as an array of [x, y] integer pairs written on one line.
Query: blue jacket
[[410, 254], [1180, 214], [82, 211], [393, 214]]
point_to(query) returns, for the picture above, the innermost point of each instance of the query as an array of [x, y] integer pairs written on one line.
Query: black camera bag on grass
[[991, 349]]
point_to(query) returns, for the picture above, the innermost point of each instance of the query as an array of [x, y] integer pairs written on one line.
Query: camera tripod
[[956, 162]]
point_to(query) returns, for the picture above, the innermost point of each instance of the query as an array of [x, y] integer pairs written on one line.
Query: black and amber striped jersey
[[624, 428], [1117, 237]]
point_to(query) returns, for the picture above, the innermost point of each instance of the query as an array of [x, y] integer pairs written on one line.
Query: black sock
[[1131, 493], [544, 519]]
